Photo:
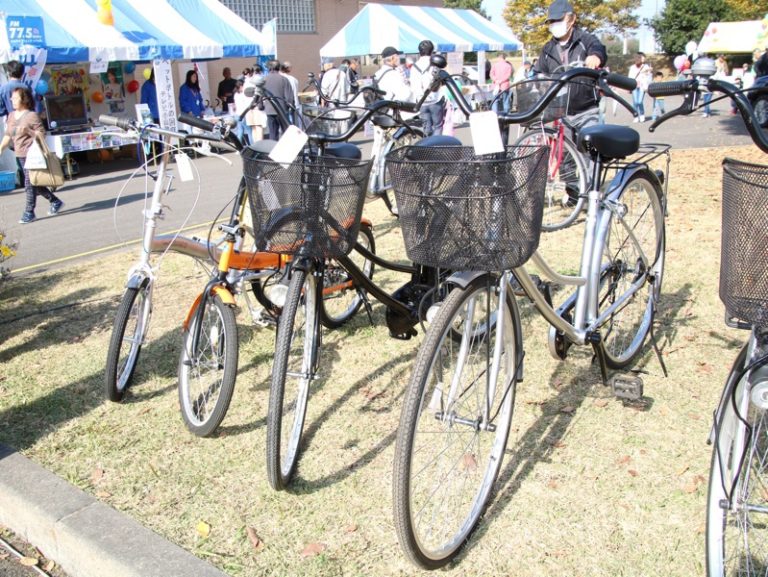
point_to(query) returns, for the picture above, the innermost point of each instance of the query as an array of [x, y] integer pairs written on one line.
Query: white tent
[[731, 37]]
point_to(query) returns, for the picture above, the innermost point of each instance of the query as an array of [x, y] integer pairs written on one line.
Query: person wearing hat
[[389, 79], [569, 43]]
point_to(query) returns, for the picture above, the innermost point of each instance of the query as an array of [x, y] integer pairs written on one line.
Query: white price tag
[[185, 167], [99, 66], [289, 146], [486, 136]]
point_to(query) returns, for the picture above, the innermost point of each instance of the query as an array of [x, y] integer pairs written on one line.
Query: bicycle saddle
[[609, 141], [383, 121], [344, 150]]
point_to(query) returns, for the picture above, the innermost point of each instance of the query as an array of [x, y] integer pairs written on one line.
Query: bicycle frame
[[600, 209]]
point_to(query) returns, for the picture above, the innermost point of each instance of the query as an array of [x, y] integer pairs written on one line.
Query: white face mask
[[559, 29]]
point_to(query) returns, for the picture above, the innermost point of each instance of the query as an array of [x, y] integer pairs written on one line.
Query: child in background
[[658, 102]]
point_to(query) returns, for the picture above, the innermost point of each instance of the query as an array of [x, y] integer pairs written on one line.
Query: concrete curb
[[82, 535]]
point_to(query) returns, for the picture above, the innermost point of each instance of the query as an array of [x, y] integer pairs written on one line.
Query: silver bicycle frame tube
[[156, 207]]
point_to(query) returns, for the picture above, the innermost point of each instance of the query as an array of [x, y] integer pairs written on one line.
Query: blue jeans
[[274, 127], [638, 95], [503, 102], [433, 116], [658, 107], [707, 100]]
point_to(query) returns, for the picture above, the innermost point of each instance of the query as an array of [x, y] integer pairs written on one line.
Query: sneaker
[[636, 119], [27, 217], [705, 115], [642, 118], [55, 207]]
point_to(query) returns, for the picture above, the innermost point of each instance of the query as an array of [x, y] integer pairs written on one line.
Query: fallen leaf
[[350, 528], [552, 484], [557, 444], [203, 529], [4, 555], [633, 473], [48, 567], [103, 494], [97, 475], [312, 549], [28, 561], [601, 403], [254, 538], [568, 410], [469, 462], [625, 460], [683, 470]]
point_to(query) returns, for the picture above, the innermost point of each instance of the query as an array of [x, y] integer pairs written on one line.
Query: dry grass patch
[[589, 486]]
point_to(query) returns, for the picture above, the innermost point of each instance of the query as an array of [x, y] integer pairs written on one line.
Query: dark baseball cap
[[389, 51], [558, 9]]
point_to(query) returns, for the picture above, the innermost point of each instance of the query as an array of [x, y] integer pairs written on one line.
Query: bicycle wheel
[[207, 377], [405, 139], [455, 422], [341, 296], [128, 332], [632, 252], [294, 367], [567, 178], [737, 533]]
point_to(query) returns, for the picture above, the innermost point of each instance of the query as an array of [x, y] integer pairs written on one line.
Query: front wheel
[[208, 367], [342, 296], [293, 369], [761, 111], [455, 422], [737, 502], [632, 256], [128, 333]]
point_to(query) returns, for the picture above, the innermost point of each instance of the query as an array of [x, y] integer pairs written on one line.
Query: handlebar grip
[[671, 88], [123, 123], [406, 106], [621, 81], [196, 122]]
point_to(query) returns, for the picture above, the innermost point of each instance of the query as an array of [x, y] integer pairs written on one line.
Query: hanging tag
[[99, 66], [289, 146], [486, 136], [185, 167]]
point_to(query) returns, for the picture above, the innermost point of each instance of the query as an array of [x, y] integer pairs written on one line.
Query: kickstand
[[366, 304], [595, 339], [658, 352]]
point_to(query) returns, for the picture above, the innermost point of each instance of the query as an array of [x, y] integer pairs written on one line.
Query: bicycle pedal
[[627, 387]]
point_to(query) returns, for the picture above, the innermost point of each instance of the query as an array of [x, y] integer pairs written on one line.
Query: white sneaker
[[635, 119], [642, 118]]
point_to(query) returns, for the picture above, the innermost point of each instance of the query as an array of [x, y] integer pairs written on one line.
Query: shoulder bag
[[52, 176]]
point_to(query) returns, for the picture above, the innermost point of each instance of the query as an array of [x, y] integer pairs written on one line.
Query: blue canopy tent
[[377, 26], [143, 30]]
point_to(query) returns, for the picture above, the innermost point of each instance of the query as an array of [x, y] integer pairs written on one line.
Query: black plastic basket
[[462, 211], [743, 263], [311, 207]]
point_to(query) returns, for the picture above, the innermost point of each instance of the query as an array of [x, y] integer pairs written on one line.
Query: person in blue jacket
[[149, 97], [190, 97]]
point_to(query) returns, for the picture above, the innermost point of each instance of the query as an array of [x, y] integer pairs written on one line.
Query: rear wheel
[[455, 422], [341, 295], [633, 252], [128, 333], [293, 369], [208, 367], [761, 111], [567, 177]]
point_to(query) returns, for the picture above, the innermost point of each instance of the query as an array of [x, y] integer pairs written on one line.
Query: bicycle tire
[[561, 206], [296, 352], [729, 531], [135, 310], [379, 183], [341, 297], [624, 332], [433, 523], [207, 381]]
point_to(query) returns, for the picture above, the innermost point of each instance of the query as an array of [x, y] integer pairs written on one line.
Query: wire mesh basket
[[462, 211], [744, 251], [331, 121], [310, 207], [529, 92]]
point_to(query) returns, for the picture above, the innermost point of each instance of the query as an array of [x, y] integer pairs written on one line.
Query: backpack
[[371, 97]]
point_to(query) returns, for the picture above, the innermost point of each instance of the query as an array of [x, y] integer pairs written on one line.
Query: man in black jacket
[[279, 86], [569, 44]]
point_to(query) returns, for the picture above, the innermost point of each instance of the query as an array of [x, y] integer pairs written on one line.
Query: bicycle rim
[[633, 252], [446, 459]]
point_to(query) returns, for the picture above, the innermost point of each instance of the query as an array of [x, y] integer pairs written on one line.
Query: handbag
[[52, 176]]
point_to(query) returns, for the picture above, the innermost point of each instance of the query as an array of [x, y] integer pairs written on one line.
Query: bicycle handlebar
[[690, 88], [200, 123]]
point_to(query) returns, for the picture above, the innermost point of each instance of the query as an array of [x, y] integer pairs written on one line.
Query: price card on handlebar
[[289, 146], [185, 166], [486, 136]]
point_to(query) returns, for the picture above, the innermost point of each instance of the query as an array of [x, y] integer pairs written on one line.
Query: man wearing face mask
[[570, 44]]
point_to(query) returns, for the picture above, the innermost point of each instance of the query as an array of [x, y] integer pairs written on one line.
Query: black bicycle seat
[[344, 150], [383, 121], [609, 141]]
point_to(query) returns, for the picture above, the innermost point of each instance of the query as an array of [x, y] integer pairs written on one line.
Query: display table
[[94, 139]]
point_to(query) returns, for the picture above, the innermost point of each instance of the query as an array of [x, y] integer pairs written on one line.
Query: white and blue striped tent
[[143, 30], [377, 26]]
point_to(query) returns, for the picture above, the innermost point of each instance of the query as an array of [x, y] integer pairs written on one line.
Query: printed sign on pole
[[166, 95]]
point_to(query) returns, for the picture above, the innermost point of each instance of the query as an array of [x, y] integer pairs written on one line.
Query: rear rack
[[647, 153]]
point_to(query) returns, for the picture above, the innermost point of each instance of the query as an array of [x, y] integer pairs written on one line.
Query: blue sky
[[495, 7]]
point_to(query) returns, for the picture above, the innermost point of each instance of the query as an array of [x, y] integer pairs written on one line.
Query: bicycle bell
[[703, 68]]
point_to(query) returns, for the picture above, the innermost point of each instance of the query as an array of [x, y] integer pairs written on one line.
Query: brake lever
[[606, 89], [685, 108]]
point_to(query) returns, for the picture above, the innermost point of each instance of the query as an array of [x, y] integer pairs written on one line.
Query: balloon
[[132, 86], [129, 67], [679, 62], [41, 87], [97, 96], [147, 73]]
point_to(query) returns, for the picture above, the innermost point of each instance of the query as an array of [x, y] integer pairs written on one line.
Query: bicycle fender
[[622, 177], [462, 279], [137, 281], [191, 312], [220, 291]]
